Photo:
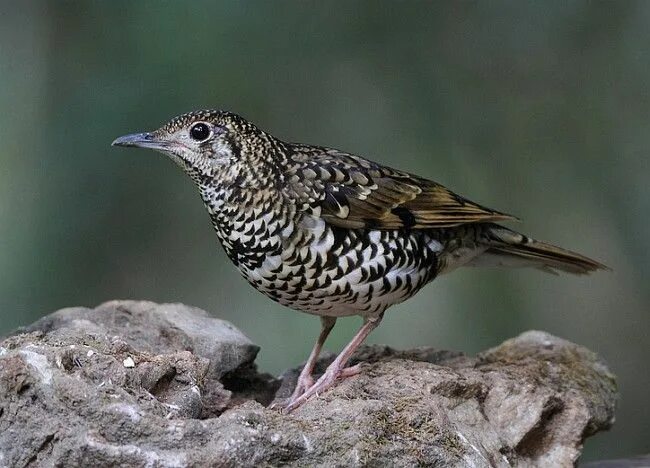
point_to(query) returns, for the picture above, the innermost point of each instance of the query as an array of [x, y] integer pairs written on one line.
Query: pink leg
[[337, 369], [305, 379]]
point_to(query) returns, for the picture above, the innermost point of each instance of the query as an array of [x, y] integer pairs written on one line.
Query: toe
[[350, 371]]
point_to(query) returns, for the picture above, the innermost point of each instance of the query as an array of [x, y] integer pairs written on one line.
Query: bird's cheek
[[219, 163]]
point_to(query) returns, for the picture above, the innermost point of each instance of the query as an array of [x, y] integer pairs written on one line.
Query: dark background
[[540, 109]]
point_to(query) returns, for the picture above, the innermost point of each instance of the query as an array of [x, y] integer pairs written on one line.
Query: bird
[[334, 234]]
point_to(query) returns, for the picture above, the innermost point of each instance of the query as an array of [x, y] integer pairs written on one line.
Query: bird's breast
[[303, 262]]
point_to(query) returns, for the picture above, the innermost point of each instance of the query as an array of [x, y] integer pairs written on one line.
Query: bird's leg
[[305, 379], [337, 369]]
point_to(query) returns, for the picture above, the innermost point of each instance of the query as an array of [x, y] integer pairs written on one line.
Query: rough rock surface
[[141, 384]]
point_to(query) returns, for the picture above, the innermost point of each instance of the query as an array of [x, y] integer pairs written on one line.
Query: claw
[[332, 375]]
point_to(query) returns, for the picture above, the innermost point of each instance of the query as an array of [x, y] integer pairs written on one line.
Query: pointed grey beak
[[140, 140]]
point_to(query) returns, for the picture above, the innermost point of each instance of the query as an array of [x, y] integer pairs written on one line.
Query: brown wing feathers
[[392, 203], [353, 192]]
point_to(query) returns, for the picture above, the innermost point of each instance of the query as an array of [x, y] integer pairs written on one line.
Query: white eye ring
[[200, 131]]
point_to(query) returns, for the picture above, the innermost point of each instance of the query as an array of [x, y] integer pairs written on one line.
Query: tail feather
[[514, 249]]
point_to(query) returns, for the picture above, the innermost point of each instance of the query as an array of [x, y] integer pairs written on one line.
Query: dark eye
[[200, 131]]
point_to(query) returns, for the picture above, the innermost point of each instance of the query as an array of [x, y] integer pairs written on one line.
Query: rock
[[191, 396], [158, 329]]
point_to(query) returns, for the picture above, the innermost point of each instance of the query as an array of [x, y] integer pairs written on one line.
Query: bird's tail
[[512, 249]]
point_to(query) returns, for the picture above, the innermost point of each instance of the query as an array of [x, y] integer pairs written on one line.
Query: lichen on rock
[[141, 384]]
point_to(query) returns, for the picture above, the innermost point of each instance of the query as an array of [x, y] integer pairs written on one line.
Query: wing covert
[[352, 192]]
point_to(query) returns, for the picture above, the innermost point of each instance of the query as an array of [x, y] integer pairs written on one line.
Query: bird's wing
[[352, 192]]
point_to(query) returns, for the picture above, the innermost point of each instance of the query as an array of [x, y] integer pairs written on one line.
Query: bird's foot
[[334, 373], [305, 380], [302, 385]]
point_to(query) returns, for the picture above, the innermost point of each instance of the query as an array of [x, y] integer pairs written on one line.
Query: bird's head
[[205, 144]]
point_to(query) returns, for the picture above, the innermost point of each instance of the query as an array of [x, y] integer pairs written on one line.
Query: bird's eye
[[200, 131]]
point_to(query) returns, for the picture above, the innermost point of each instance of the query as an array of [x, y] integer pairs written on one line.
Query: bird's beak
[[140, 140]]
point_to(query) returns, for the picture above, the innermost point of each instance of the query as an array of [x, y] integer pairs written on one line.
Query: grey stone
[[158, 328], [70, 397]]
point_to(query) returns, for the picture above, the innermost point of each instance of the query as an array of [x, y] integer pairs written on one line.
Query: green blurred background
[[540, 109]]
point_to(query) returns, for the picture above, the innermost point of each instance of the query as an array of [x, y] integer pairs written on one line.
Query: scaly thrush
[[333, 234]]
